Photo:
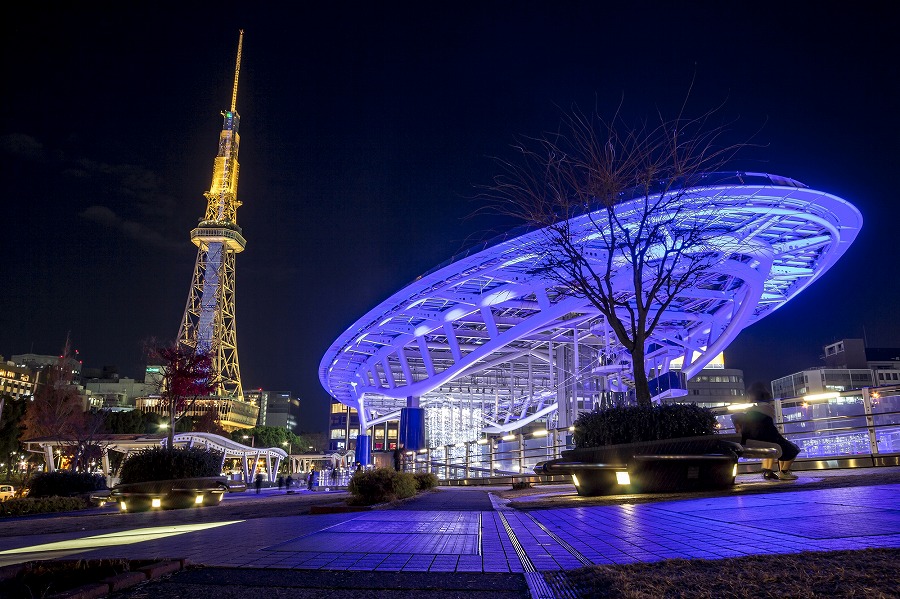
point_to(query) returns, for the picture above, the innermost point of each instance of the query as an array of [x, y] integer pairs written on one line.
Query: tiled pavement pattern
[[477, 540]]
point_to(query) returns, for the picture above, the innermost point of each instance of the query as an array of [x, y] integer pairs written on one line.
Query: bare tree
[[210, 422], [185, 377], [621, 226], [87, 443], [57, 410]]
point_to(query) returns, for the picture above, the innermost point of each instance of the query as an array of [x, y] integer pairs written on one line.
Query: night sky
[[366, 129]]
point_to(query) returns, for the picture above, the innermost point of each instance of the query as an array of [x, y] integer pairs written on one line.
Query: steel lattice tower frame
[[209, 318]]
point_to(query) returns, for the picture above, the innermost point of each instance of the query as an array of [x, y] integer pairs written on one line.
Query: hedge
[[632, 424], [41, 505], [381, 485], [425, 480], [161, 463], [65, 483]]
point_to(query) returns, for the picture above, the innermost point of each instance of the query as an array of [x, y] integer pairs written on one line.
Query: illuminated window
[[338, 408], [337, 433]]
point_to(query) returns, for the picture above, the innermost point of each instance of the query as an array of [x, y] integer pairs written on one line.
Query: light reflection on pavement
[[63, 548]]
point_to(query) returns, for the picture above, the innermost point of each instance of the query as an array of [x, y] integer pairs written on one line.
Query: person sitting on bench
[[757, 424]]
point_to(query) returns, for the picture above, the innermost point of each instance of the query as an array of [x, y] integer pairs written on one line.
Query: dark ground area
[[227, 583], [868, 573]]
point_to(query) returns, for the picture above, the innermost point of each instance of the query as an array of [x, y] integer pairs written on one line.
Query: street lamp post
[[290, 464]]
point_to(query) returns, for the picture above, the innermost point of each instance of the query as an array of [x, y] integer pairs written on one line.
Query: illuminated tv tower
[[208, 322]]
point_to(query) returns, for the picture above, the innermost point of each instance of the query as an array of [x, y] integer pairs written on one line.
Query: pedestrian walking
[[289, 483], [259, 479], [309, 479], [280, 482], [398, 458]]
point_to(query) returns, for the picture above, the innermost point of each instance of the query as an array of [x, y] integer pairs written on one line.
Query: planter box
[[671, 465], [170, 494]]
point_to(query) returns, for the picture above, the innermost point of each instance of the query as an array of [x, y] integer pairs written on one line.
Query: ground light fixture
[[156, 502]]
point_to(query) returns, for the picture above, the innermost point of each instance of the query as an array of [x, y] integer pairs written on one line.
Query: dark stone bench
[[170, 494], [672, 465]]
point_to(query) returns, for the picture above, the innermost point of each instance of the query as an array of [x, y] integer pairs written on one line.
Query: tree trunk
[[171, 437], [641, 385]]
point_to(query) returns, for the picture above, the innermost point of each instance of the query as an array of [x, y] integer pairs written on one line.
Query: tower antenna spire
[[237, 71]]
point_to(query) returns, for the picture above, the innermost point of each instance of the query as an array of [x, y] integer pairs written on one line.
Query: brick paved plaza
[[472, 530]]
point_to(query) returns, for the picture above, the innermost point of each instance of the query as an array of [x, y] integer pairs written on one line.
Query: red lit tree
[[185, 377]]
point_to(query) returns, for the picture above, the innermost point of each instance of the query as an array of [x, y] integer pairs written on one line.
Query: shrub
[[632, 424], [521, 484], [380, 485], [425, 480], [162, 463], [65, 483], [53, 578], [41, 505]]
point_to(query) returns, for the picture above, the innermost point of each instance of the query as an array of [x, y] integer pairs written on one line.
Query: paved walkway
[[467, 530]]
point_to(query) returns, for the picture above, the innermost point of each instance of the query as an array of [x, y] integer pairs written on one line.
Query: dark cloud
[[135, 230], [140, 186], [141, 210], [21, 145]]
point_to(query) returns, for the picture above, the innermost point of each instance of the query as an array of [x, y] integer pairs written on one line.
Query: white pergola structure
[[487, 347], [233, 449], [130, 443]]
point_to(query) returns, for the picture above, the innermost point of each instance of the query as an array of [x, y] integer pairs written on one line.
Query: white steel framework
[[497, 347]]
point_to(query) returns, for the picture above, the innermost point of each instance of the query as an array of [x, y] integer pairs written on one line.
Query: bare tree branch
[[621, 225]]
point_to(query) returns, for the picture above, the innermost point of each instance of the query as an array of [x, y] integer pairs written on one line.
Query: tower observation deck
[[486, 345], [208, 323]]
